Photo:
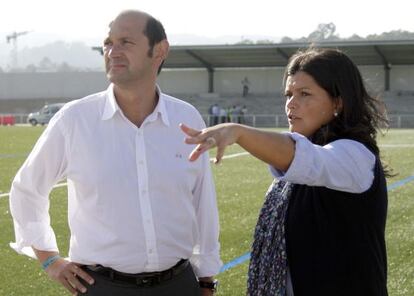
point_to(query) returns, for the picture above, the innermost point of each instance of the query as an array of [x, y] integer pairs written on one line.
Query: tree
[[354, 37], [31, 68], [64, 67], [265, 41], [47, 64], [324, 32], [286, 39], [392, 35], [245, 41]]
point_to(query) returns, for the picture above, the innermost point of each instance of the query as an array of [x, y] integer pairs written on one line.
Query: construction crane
[[13, 38]]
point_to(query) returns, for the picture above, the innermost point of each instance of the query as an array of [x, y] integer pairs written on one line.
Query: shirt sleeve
[[206, 252], [344, 165], [29, 195]]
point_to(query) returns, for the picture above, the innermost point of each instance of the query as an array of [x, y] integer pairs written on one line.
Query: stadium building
[[217, 74]]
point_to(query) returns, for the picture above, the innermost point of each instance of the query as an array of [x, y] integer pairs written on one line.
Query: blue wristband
[[49, 261]]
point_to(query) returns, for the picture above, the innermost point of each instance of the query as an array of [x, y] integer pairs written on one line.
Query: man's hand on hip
[[63, 271], [67, 273]]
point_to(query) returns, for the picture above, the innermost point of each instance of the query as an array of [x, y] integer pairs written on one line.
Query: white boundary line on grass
[[246, 153], [232, 155], [211, 159]]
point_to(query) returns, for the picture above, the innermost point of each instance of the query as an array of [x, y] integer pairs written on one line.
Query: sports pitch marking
[[241, 259], [26, 154], [17, 155], [211, 159], [246, 256]]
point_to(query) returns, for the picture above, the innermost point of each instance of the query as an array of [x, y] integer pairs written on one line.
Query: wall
[[262, 80], [72, 85], [50, 85], [185, 81], [402, 78], [374, 78]]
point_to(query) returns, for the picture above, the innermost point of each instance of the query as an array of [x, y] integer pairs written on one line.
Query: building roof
[[386, 52]]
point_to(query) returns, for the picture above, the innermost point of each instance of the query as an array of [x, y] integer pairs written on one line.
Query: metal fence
[[256, 120], [280, 120]]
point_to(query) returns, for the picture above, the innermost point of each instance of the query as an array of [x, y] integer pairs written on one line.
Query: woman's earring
[[336, 114]]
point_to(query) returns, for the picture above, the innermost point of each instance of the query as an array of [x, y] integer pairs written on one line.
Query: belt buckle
[[147, 281]]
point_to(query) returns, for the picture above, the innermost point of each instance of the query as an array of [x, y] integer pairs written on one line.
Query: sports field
[[241, 183]]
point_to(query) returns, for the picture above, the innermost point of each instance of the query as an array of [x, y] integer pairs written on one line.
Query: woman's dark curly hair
[[361, 115]]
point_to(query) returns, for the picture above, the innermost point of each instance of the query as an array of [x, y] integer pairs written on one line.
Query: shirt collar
[[111, 106], [160, 109]]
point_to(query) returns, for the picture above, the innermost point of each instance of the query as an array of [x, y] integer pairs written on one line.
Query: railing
[[279, 120], [256, 120]]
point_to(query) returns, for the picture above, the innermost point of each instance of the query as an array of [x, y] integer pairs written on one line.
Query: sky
[[87, 20]]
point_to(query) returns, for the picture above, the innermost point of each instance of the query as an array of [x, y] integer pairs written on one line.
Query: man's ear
[[161, 50]]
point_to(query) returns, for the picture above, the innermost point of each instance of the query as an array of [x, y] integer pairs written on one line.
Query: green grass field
[[241, 183]]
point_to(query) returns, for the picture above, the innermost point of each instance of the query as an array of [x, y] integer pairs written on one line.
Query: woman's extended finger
[[195, 154], [207, 144], [189, 131], [219, 154]]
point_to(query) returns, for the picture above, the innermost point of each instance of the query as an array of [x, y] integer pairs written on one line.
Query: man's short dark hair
[[155, 33]]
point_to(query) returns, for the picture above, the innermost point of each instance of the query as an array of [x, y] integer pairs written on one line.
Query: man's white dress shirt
[[135, 202]]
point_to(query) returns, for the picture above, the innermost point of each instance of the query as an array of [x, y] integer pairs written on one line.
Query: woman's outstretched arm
[[273, 148]]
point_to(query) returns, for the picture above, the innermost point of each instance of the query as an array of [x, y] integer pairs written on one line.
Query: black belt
[[146, 279]]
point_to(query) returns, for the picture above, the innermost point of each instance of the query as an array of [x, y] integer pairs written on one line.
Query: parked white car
[[44, 115]]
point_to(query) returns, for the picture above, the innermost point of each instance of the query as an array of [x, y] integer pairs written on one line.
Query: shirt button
[[141, 162], [150, 251]]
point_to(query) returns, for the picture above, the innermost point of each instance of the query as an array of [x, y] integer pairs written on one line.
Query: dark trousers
[[183, 284]]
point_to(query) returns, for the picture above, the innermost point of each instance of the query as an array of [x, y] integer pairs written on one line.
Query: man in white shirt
[[143, 220]]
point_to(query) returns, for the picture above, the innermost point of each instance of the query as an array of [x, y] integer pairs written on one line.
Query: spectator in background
[[142, 220], [243, 113], [228, 114], [222, 115], [216, 114], [235, 113], [246, 85], [321, 229], [210, 116]]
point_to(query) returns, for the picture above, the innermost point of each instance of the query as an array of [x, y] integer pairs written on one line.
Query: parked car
[[44, 115]]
